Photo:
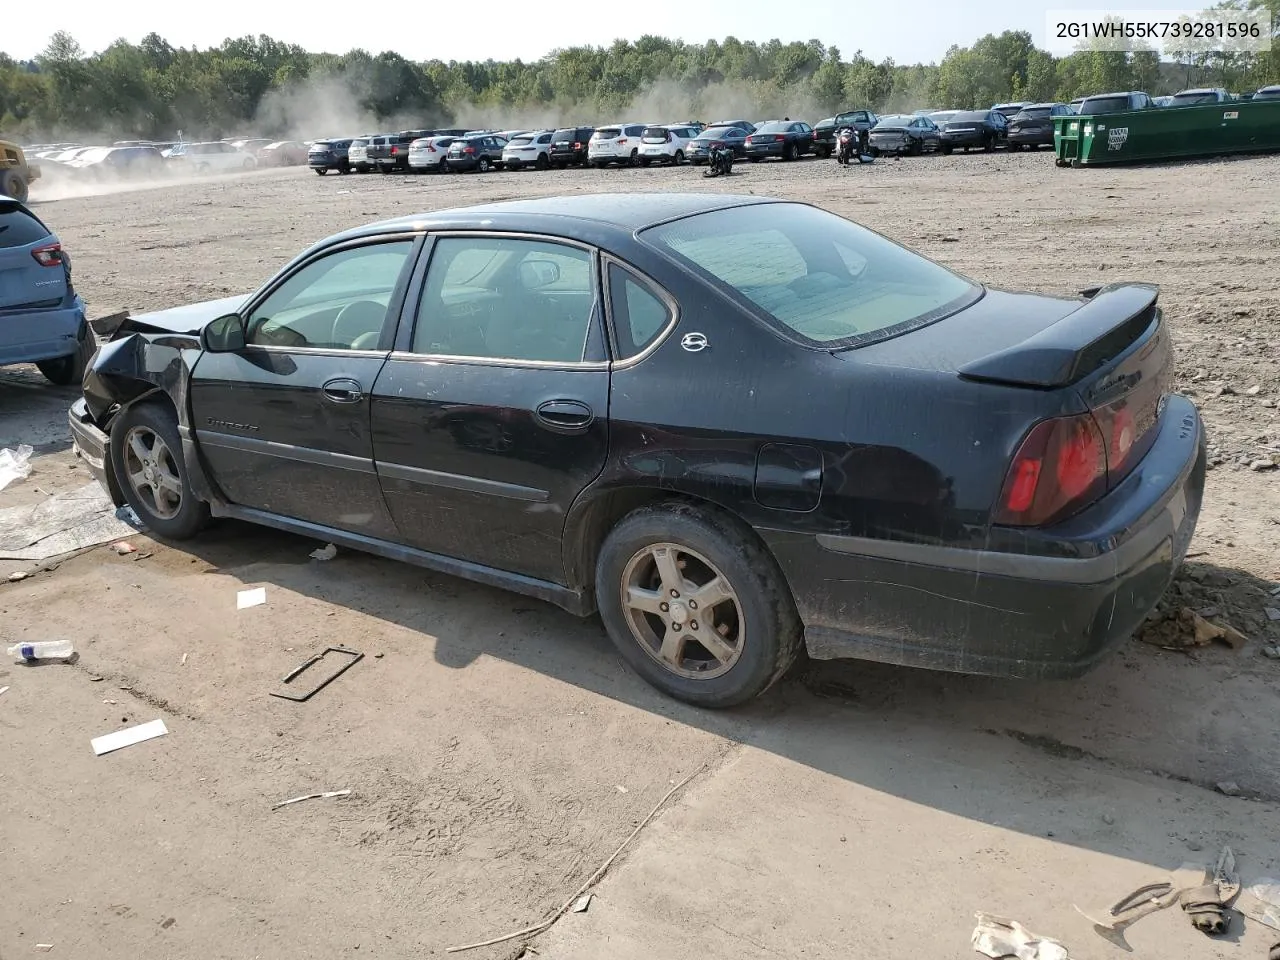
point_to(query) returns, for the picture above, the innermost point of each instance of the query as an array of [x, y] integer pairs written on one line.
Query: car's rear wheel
[[789, 152], [679, 157], [14, 185], [321, 171], [483, 165], [146, 453], [69, 370], [542, 162], [695, 605]]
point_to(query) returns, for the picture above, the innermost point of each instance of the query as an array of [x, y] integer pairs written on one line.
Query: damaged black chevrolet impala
[[736, 427]]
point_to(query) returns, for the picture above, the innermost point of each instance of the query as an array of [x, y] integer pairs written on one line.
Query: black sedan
[[736, 427], [785, 139], [699, 149], [985, 129], [910, 135], [1033, 126]]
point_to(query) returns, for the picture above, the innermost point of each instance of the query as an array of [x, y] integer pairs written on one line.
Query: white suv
[[213, 157], [665, 144], [428, 153], [617, 143], [528, 150]]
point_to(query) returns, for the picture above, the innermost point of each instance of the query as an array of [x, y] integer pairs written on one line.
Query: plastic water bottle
[[44, 650]]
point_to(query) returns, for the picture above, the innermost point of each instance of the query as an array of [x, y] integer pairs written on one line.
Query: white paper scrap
[[128, 737], [251, 598]]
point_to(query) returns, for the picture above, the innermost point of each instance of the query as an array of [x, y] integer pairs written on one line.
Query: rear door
[[284, 423], [25, 282], [492, 415]]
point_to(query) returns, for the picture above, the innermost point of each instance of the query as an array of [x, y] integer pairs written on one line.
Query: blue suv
[[41, 317]]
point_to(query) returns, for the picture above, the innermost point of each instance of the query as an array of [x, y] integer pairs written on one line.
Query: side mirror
[[223, 335], [535, 274]]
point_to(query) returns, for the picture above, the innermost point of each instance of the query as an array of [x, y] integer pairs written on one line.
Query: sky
[[909, 31]]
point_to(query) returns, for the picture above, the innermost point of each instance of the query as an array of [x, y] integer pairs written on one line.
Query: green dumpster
[[1166, 133]]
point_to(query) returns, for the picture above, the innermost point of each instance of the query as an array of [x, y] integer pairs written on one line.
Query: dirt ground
[[496, 749]]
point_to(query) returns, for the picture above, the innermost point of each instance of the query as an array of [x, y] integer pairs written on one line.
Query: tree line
[[152, 90]]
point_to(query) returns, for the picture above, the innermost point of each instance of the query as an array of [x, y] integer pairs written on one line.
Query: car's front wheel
[[695, 605], [483, 165], [146, 454]]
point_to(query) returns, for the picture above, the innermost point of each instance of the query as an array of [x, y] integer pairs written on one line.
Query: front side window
[[820, 277], [506, 298], [338, 302]]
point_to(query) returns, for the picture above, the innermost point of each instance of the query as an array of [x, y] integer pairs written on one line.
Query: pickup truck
[[824, 132], [391, 152]]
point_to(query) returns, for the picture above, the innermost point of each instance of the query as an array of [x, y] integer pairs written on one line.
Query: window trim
[[403, 350], [672, 305], [395, 306]]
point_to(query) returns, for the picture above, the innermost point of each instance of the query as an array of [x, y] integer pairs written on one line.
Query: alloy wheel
[[682, 611], [152, 472]]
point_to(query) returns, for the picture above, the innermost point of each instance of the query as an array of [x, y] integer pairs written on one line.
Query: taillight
[[468, 149], [50, 255], [577, 146], [815, 135], [778, 139], [1060, 467], [622, 142], [394, 151], [430, 149]]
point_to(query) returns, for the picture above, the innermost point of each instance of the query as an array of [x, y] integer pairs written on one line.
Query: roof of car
[[622, 211]]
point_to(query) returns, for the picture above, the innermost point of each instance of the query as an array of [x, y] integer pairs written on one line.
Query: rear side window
[[19, 228], [816, 275], [639, 314], [608, 133]]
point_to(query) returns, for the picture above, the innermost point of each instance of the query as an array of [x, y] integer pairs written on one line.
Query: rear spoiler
[[1102, 327]]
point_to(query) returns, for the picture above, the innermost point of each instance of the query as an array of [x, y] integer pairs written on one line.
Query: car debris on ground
[[64, 523], [999, 938], [15, 464], [251, 598], [312, 796], [128, 737], [354, 657], [325, 553]]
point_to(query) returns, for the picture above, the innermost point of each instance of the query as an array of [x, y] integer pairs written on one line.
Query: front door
[[284, 423], [492, 415]]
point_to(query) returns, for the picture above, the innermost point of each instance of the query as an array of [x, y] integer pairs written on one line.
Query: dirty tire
[[483, 165], [159, 418], [12, 184], [321, 171], [771, 637], [789, 152], [69, 370]]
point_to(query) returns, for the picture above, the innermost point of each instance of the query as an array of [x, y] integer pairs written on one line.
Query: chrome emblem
[[694, 342]]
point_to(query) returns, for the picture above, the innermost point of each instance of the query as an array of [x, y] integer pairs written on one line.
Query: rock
[[1261, 465], [1254, 390], [1225, 390], [1206, 632], [1272, 613], [1233, 637], [1108, 819], [1228, 788], [18, 575], [1272, 652]]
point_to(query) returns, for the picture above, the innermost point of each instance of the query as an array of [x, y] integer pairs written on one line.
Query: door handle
[[565, 416], [342, 390]]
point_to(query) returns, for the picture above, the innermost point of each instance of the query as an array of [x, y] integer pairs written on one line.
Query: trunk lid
[[25, 284]]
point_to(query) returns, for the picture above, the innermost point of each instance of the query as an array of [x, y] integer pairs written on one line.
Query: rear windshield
[[896, 121], [19, 228], [655, 133], [609, 133], [773, 128], [1183, 99], [970, 116], [1034, 113], [717, 133], [1097, 105], [354, 143], [519, 141], [819, 276]]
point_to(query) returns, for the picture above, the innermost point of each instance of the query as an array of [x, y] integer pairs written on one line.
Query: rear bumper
[[1031, 138], [964, 139], [756, 151], [92, 446], [1030, 616], [41, 334]]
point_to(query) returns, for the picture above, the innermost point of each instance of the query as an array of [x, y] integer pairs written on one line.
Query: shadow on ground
[[1200, 716]]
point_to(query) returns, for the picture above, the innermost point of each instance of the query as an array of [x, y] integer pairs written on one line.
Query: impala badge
[[694, 342]]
